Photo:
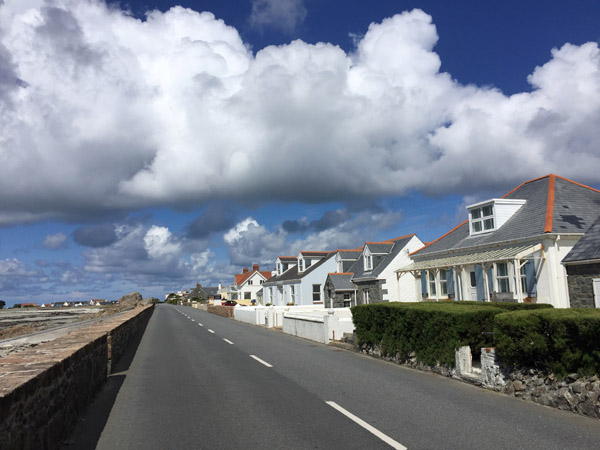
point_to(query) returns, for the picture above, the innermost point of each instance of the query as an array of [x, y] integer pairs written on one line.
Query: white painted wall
[[402, 290], [322, 326], [317, 276]]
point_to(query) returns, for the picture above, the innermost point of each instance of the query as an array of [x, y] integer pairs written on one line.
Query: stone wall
[[576, 394], [223, 311], [580, 395], [579, 280], [44, 389]]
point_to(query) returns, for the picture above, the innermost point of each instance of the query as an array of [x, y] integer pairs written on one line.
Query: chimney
[[245, 270], [255, 267]]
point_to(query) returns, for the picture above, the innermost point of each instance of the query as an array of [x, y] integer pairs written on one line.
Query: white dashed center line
[[385, 438], [200, 325], [211, 331], [264, 363], [228, 341]]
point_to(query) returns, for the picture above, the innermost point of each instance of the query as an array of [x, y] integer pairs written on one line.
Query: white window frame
[[502, 278], [368, 262], [293, 294], [347, 300], [317, 293], [443, 282], [431, 284], [300, 265], [478, 217]]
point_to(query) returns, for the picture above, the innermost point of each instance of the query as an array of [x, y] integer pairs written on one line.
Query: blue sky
[[147, 150]]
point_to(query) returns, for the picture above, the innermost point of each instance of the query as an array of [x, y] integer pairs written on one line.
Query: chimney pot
[[255, 267], [245, 270]]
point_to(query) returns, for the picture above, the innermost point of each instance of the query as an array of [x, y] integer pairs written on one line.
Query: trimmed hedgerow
[[506, 306], [432, 331], [559, 341]]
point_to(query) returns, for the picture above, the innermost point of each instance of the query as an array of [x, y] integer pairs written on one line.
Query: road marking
[[211, 331], [261, 361], [388, 440], [228, 341], [200, 325], [193, 320]]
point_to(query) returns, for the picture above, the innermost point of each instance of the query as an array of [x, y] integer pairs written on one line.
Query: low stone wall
[[223, 311], [580, 395], [44, 389]]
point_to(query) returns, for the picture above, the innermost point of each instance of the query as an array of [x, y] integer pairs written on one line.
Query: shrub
[[559, 341], [506, 306], [431, 330]]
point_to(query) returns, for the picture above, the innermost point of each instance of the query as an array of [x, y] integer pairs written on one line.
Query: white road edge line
[[211, 331], [264, 363], [228, 341], [388, 440]]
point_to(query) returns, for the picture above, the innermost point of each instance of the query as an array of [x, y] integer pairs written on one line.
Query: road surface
[[200, 381]]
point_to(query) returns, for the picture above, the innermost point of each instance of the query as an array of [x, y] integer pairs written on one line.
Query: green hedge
[[431, 330], [560, 341], [503, 305]]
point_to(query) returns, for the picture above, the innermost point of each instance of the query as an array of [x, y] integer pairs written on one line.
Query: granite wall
[[44, 389]]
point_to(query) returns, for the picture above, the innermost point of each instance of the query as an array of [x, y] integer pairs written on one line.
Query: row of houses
[[538, 243]]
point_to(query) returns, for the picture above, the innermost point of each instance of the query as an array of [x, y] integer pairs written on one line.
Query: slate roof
[[379, 264], [211, 290], [292, 274], [349, 254], [287, 258], [553, 205], [310, 254], [342, 281], [588, 247], [379, 247]]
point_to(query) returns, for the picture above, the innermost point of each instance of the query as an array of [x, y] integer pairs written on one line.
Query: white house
[[509, 248], [248, 283]]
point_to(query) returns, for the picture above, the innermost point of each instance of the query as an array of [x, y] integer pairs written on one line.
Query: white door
[[473, 285], [596, 292]]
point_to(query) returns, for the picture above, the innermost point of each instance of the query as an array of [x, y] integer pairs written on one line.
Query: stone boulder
[[131, 300]]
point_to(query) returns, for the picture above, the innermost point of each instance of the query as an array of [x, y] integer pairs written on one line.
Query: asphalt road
[[200, 381]]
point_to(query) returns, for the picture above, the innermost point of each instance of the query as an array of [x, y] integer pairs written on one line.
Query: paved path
[[201, 381]]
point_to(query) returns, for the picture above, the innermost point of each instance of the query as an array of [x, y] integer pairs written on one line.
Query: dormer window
[[482, 219], [278, 268], [300, 265], [368, 262], [490, 215]]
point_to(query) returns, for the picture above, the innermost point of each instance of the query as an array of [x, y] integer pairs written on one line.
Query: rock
[[578, 387], [518, 385], [131, 300]]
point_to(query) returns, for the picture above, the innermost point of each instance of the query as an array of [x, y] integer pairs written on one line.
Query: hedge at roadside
[[559, 341], [502, 305], [431, 330]]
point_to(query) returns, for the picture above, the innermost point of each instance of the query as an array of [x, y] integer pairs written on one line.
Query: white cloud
[[285, 15], [158, 243], [55, 241], [249, 242], [138, 109]]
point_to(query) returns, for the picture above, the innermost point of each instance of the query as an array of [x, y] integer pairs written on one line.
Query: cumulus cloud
[[55, 241], [175, 110], [249, 242], [284, 15]]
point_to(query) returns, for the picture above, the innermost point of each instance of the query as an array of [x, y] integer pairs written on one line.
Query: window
[[502, 277], [368, 262], [246, 295], [347, 300], [300, 264], [278, 268], [431, 278], [366, 297], [443, 282], [293, 294], [316, 292], [482, 219]]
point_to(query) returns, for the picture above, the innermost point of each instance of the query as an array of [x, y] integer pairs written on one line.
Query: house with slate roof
[[583, 269], [340, 291], [302, 283], [374, 271], [248, 283], [509, 248]]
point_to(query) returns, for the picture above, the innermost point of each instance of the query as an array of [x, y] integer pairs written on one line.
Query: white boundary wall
[[271, 316], [320, 326]]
